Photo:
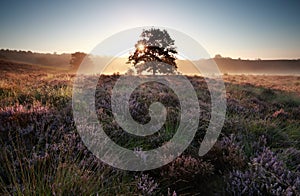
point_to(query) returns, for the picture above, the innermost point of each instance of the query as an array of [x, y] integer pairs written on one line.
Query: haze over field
[[226, 66], [187, 67]]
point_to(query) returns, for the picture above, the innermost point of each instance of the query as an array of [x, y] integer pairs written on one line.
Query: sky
[[237, 29]]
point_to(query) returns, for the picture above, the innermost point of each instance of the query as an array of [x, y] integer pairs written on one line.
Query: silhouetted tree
[[154, 52]]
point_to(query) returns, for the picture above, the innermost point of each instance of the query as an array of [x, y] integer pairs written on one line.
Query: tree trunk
[[154, 69]]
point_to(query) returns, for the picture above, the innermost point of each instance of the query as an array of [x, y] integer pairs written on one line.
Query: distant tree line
[[30, 57], [48, 59]]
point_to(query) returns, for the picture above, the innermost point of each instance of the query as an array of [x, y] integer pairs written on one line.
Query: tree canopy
[[154, 52], [77, 58]]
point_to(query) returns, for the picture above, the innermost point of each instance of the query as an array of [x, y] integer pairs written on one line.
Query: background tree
[[82, 59], [218, 56], [77, 58], [129, 72], [154, 52]]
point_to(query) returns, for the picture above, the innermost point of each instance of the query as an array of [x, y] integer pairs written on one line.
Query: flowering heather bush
[[234, 106], [187, 168], [45, 155], [42, 153], [227, 154], [185, 175], [266, 175], [146, 184]]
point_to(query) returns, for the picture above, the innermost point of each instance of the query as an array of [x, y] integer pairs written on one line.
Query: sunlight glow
[[141, 47]]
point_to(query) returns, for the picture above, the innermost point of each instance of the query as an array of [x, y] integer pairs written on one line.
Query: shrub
[[266, 175], [146, 184], [187, 167], [227, 154]]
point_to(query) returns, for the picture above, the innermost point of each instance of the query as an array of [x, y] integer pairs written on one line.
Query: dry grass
[[41, 151], [283, 83]]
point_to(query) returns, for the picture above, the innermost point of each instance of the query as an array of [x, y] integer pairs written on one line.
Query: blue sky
[[252, 29]]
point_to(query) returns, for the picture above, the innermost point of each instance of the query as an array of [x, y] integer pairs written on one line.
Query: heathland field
[[257, 152]]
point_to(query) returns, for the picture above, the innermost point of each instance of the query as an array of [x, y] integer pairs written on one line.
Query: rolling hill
[[225, 65]]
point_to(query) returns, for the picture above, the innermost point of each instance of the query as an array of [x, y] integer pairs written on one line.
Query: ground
[[257, 152]]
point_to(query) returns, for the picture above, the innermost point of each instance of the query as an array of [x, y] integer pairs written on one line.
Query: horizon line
[[222, 57]]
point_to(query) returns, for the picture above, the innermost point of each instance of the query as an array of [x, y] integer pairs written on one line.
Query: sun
[[141, 47]]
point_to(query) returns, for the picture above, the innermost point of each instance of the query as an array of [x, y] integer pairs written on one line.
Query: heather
[[257, 152]]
